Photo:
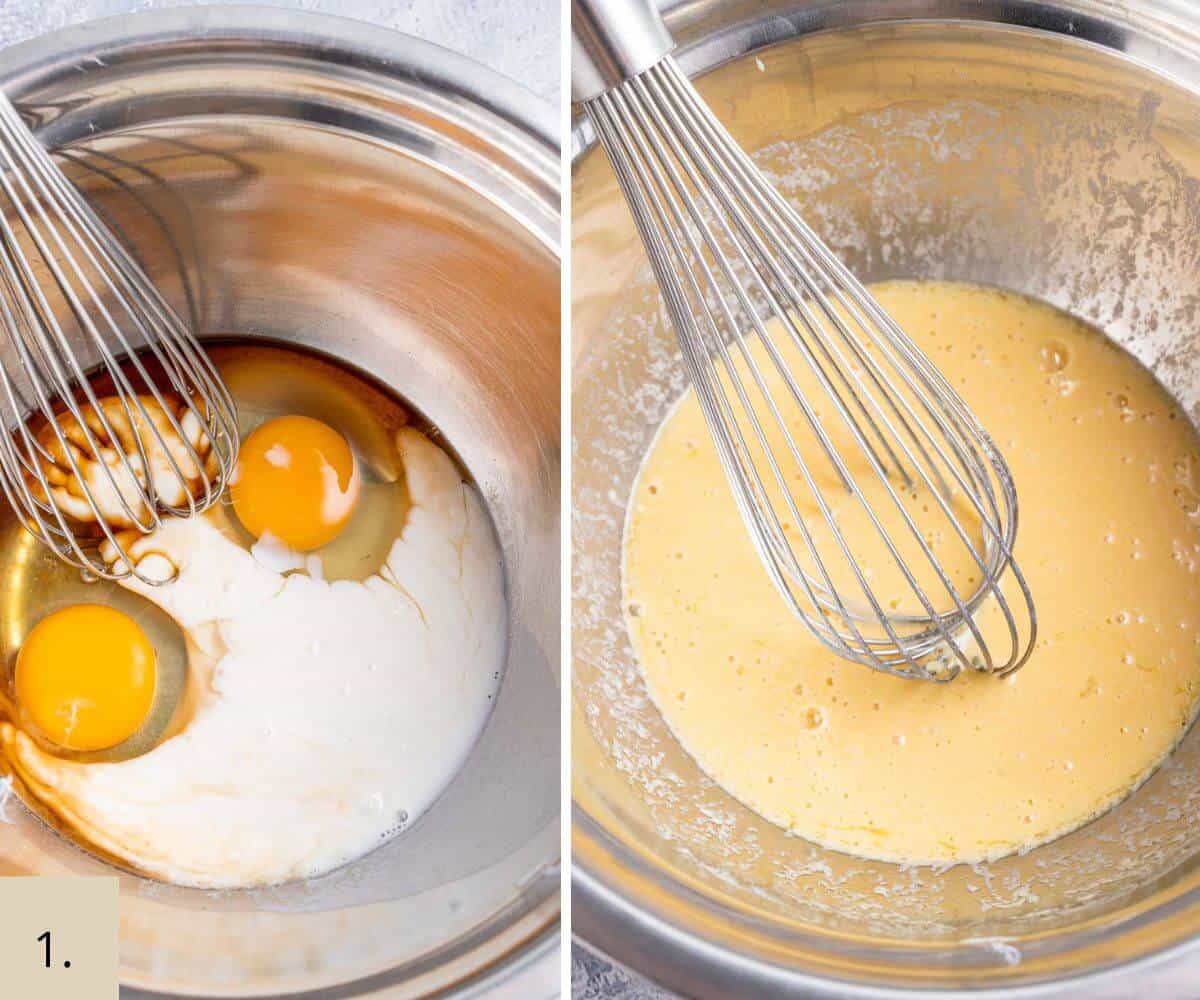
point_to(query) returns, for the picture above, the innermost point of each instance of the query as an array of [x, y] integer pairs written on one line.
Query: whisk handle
[[612, 40]]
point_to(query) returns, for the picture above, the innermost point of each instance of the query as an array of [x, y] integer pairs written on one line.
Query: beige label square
[[73, 921]]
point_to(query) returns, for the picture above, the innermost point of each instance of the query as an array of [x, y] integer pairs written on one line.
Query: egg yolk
[[85, 675], [296, 479]]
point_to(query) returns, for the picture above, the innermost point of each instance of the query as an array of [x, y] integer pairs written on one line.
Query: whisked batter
[[1107, 471]]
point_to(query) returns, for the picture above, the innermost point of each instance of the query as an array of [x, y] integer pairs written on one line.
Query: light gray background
[[592, 978]]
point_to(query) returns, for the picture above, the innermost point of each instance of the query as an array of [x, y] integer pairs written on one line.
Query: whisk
[[850, 457], [113, 416]]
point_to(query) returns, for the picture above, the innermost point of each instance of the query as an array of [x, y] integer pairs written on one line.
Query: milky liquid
[[267, 381]]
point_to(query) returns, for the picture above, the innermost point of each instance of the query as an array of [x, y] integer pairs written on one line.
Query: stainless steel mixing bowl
[[329, 184], [1052, 148]]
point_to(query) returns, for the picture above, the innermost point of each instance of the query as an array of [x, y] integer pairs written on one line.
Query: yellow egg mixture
[[1106, 468]]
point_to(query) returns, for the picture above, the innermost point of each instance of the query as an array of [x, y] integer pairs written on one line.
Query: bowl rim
[[340, 40], [1162, 36], [520, 942]]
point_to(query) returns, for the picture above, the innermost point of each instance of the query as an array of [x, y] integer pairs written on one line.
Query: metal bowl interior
[[317, 182], [1010, 154]]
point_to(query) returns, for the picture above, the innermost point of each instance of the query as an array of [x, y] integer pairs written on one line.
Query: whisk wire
[[782, 551], [56, 354], [721, 179], [730, 254], [953, 408], [87, 234], [733, 450], [776, 541], [170, 415]]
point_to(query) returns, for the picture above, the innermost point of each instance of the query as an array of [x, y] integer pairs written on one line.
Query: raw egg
[[86, 677], [295, 479]]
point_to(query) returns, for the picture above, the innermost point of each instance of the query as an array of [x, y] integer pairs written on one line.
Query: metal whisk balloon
[[84, 471], [883, 512]]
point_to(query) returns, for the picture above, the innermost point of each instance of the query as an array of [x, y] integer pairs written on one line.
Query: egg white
[[328, 714]]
